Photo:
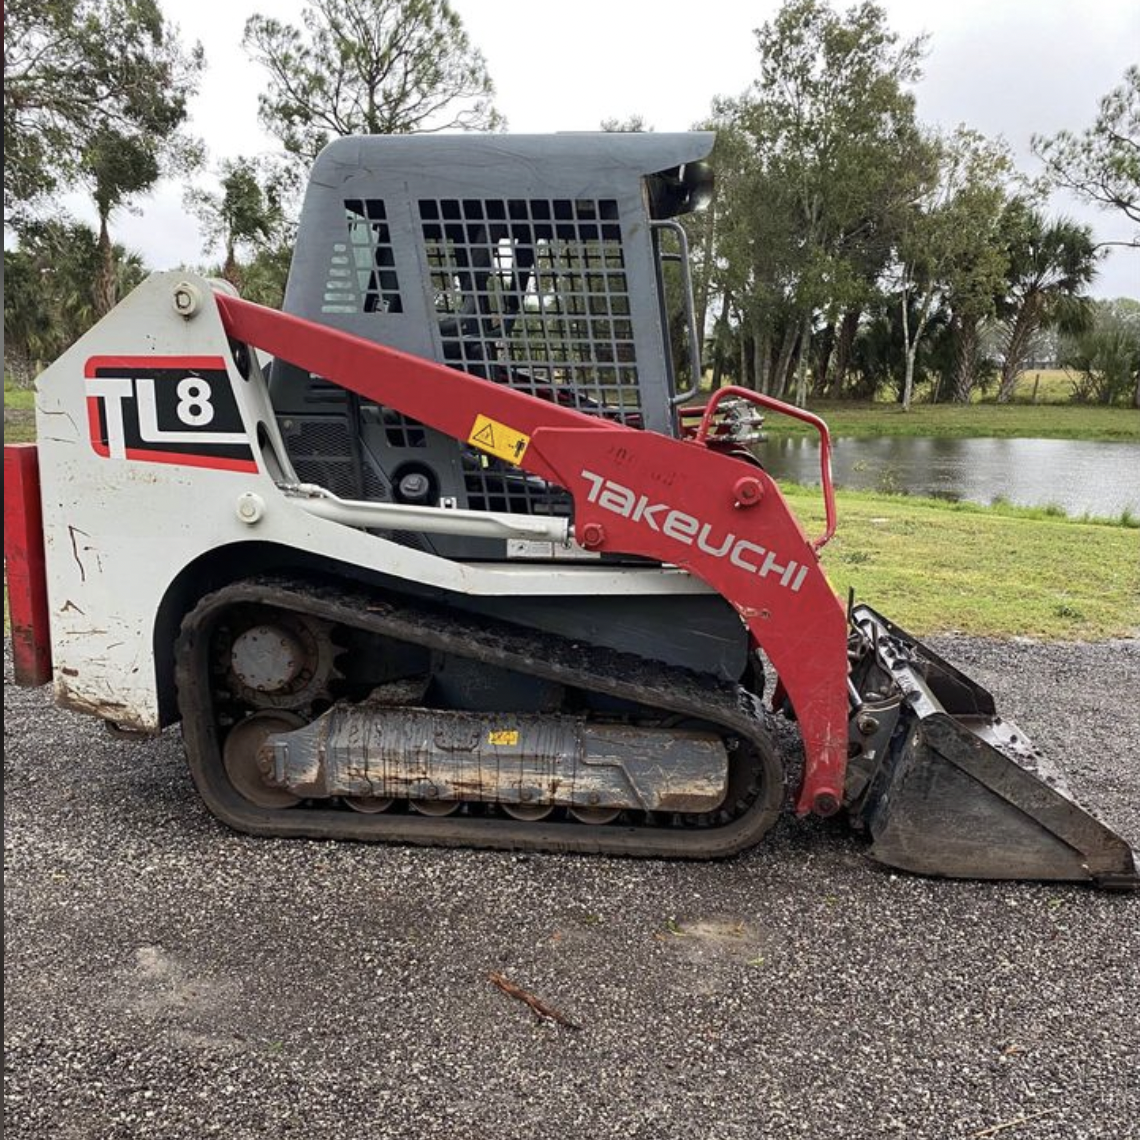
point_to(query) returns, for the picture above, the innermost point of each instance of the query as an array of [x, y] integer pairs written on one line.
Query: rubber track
[[670, 689]]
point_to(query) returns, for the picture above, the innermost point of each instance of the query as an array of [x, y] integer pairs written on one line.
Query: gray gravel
[[166, 977]]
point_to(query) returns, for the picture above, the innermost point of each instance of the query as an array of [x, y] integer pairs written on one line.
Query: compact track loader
[[442, 554]]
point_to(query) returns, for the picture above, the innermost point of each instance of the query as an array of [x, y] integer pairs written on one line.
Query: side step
[[956, 790]]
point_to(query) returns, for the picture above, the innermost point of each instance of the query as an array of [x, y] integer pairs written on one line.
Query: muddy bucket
[[947, 787]]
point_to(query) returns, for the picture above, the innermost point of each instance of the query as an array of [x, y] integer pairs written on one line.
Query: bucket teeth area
[[956, 790]]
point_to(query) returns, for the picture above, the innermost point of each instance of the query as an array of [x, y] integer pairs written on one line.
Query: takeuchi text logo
[[691, 531]]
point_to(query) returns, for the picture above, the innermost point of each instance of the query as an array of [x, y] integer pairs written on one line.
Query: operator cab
[[534, 261]]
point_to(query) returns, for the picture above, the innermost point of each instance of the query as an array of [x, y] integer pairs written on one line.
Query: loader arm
[[635, 492]]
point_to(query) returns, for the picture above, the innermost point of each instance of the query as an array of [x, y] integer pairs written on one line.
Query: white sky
[[1005, 67]]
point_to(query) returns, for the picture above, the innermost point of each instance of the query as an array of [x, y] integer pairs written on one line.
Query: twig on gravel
[[996, 1128], [540, 1007]]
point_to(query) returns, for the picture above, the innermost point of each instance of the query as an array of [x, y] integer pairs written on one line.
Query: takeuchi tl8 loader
[[445, 553]]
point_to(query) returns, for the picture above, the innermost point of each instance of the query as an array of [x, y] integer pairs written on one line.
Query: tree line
[[850, 251], [853, 248]]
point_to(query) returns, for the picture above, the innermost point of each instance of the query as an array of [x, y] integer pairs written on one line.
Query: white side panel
[[119, 530]]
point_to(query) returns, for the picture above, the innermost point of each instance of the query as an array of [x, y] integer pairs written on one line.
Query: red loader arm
[[635, 492]]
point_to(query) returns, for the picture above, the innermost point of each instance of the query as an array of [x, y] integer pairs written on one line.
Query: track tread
[[555, 658]]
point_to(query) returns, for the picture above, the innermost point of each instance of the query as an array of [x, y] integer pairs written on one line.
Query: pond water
[[1078, 475]]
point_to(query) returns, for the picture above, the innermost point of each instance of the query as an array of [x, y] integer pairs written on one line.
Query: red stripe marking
[[185, 459], [150, 363]]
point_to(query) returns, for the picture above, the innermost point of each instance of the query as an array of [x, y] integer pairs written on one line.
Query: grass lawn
[[933, 566], [962, 421], [19, 399], [1040, 409], [1044, 386], [19, 414]]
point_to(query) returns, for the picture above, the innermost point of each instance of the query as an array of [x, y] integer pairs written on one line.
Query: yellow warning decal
[[499, 440], [503, 736]]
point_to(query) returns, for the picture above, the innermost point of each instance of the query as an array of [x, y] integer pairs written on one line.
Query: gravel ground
[[168, 978]]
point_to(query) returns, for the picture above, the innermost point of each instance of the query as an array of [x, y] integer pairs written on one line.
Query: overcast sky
[[1008, 68]]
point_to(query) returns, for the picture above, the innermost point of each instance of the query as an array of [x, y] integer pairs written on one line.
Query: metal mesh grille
[[321, 453], [493, 485], [362, 271], [534, 293], [402, 431]]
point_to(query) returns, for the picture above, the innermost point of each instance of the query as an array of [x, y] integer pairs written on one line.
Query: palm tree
[[27, 322], [116, 166], [1050, 265], [245, 215], [49, 301]]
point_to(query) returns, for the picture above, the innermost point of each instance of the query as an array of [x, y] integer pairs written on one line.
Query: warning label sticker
[[499, 440], [503, 736]]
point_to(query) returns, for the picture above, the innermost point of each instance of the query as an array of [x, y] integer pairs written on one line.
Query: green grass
[[18, 398], [19, 427], [958, 421], [19, 413], [933, 566], [1044, 386]]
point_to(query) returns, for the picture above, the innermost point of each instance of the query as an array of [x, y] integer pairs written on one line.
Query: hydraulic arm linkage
[[635, 492]]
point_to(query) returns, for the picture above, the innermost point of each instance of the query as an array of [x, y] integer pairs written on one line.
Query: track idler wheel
[[242, 761], [369, 805], [434, 807], [530, 813], [594, 815]]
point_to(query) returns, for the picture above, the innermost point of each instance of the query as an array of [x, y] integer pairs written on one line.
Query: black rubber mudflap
[[960, 792]]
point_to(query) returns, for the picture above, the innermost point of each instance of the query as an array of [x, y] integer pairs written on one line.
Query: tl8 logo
[[166, 409]]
